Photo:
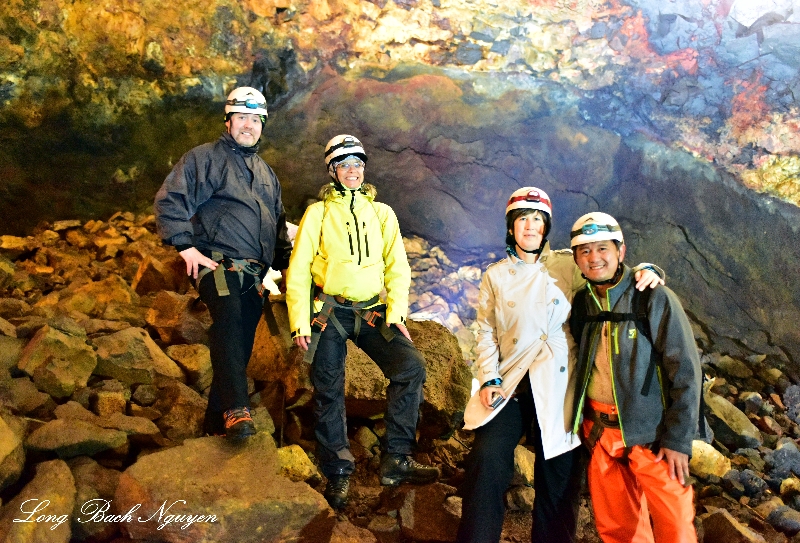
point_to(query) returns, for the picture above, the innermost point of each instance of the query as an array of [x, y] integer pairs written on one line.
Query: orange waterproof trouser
[[624, 497]]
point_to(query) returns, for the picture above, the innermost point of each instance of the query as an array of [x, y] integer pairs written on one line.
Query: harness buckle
[[322, 323], [370, 317]]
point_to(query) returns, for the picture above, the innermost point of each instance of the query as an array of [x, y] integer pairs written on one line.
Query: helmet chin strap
[[341, 189], [612, 281], [535, 251]]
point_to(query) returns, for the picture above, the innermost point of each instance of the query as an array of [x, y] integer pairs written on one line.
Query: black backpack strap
[[577, 316], [639, 303]]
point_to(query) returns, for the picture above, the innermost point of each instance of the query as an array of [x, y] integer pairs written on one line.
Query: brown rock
[[131, 356], [346, 532], [71, 437], [92, 298], [11, 308], [385, 528], [520, 498], [159, 272], [7, 272], [12, 246], [423, 515], [177, 318], [274, 358], [295, 464], [95, 486], [769, 425], [77, 238], [109, 402], [148, 413], [53, 491], [10, 353], [195, 361], [183, 411], [720, 526], [132, 314], [218, 480], [446, 389], [58, 363], [12, 452], [21, 396], [59, 226]]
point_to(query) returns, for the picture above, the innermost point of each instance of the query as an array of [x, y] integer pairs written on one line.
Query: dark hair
[[515, 214]]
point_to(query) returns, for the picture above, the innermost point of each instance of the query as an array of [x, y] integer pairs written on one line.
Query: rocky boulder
[[72, 437], [206, 491], [182, 410], [12, 452], [426, 513], [58, 362], [131, 356], [446, 389], [730, 425], [179, 318], [51, 495]]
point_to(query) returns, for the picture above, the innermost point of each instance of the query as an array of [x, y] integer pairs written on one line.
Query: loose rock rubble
[[103, 383]]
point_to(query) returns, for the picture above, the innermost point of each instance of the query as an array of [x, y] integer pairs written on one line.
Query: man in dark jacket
[[639, 385], [221, 208]]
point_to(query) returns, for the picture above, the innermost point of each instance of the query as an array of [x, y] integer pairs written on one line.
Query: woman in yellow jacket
[[348, 249]]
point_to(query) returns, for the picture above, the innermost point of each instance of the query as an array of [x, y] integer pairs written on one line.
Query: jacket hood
[[330, 192]]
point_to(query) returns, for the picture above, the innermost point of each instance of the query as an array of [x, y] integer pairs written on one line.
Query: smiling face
[[245, 128], [528, 231], [599, 260], [350, 172]]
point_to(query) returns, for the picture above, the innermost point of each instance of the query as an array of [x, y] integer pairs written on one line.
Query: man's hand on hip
[[677, 462], [194, 259]]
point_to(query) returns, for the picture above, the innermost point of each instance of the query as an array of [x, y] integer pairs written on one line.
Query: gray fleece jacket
[[665, 410]]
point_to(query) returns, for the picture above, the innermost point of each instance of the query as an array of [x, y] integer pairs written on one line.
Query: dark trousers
[[490, 467], [231, 337], [399, 361]]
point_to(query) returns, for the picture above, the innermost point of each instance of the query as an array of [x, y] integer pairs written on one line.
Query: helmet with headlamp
[[246, 100], [593, 227], [341, 148]]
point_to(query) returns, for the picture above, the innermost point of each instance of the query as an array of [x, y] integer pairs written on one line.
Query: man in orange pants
[[639, 386]]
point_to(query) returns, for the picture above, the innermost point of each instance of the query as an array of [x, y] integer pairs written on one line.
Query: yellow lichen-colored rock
[[295, 464], [706, 460]]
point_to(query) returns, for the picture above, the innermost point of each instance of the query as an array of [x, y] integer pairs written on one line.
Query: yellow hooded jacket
[[350, 246]]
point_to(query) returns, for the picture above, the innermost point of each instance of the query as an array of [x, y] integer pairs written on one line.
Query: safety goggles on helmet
[[349, 162]]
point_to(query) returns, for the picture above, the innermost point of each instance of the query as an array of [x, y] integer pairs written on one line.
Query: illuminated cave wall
[[679, 117]]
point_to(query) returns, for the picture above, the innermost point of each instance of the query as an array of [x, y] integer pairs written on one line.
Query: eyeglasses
[[249, 103], [346, 164]]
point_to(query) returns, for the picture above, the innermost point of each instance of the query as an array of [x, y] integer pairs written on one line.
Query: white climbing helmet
[[340, 147], [530, 198], [246, 100], [595, 226]]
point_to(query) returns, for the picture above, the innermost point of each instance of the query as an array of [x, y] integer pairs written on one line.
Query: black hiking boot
[[402, 468], [238, 424], [336, 491]]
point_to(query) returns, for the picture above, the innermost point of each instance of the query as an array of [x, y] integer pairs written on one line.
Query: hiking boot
[[402, 468], [336, 491], [238, 424]]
